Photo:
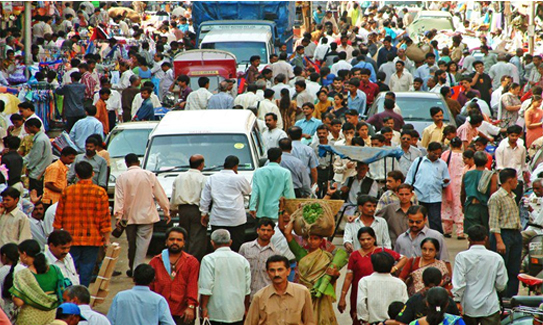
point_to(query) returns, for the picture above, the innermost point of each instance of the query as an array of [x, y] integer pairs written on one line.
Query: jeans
[[84, 260], [512, 257], [434, 215]]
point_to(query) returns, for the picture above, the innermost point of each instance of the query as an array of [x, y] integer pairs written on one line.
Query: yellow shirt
[[432, 134]]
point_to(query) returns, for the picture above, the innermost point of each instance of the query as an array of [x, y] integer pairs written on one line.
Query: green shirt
[[471, 181], [270, 183]]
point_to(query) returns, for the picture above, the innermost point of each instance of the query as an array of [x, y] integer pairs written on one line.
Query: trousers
[[512, 257], [476, 214], [488, 320], [434, 215], [84, 259], [139, 237], [190, 219]]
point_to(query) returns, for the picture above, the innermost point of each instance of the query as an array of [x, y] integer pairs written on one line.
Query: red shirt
[[181, 291], [371, 90]]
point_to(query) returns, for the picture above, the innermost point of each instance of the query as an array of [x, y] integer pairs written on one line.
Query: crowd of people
[[55, 218]]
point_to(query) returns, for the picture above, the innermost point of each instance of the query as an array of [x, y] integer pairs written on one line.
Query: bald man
[[185, 203]]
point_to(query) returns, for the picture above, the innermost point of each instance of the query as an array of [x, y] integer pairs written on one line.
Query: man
[[497, 93], [248, 99], [140, 305], [385, 51], [14, 224], [270, 183], [37, 225], [68, 314], [366, 209], [453, 104], [433, 132], [185, 202], [345, 47], [257, 253], [39, 157], [80, 296], [89, 82], [221, 100], [500, 69], [342, 64], [479, 275], [84, 206], [300, 178], [468, 131], [408, 243], [226, 189], [359, 184], [440, 80], [86, 127], [512, 155], [73, 109], [225, 294], [482, 82], [303, 152], [13, 161], [282, 67], [135, 193], [308, 124], [505, 227], [268, 106], [356, 98], [474, 199], [410, 153], [302, 96], [369, 88], [99, 164], [402, 80], [138, 100], [429, 175], [416, 306], [268, 303], [395, 213], [55, 179], [128, 95], [463, 97], [252, 71], [371, 307], [198, 99], [393, 180], [176, 277], [424, 72], [377, 119], [272, 134], [57, 253], [325, 168]]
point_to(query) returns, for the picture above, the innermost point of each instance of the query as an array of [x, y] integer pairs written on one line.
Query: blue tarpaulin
[[362, 154]]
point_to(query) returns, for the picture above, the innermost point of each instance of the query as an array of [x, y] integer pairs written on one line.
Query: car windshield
[[426, 23], [214, 82], [121, 142], [242, 50], [412, 108], [172, 152]]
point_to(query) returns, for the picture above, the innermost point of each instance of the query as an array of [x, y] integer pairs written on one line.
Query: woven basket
[[292, 205]]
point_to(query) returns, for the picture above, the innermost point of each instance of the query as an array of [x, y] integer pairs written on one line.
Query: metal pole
[[28, 34], [531, 24]]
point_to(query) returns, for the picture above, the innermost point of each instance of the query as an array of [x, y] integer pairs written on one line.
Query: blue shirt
[[270, 183], [369, 66], [429, 182], [146, 112], [308, 127], [220, 101], [83, 128], [358, 103], [139, 305], [306, 154], [423, 72], [300, 178]]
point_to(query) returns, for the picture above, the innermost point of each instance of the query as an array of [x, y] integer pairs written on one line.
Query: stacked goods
[[314, 218], [100, 289]]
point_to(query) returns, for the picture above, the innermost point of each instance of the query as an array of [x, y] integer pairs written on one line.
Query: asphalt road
[[122, 282]]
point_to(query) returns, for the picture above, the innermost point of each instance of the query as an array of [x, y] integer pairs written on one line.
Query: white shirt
[[197, 100], [249, 99], [372, 307], [49, 218], [66, 79], [280, 243], [93, 318], [226, 190], [283, 67], [401, 83], [124, 82], [508, 157], [320, 51], [271, 137], [340, 65], [478, 274], [379, 225], [226, 277], [138, 100], [495, 98], [114, 101], [187, 188], [66, 266], [267, 106], [280, 86]]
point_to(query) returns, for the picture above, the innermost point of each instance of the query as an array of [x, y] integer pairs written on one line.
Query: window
[[417, 108], [242, 50], [124, 141]]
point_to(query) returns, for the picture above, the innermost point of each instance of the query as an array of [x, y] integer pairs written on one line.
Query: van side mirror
[[262, 162]]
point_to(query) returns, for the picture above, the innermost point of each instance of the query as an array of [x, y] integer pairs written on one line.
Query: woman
[[322, 106], [288, 108], [9, 256], [469, 162], [362, 130], [533, 116], [451, 207], [339, 108], [360, 266], [453, 76], [142, 70], [415, 266], [437, 300], [313, 264], [510, 105], [38, 288]]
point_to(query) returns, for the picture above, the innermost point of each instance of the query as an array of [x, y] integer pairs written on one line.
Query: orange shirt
[[55, 173], [101, 114]]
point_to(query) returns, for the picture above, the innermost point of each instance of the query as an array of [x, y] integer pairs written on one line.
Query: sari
[[412, 274], [39, 307], [448, 320], [312, 267]]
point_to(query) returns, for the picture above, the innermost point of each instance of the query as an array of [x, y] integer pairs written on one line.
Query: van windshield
[[242, 51], [172, 152], [412, 110]]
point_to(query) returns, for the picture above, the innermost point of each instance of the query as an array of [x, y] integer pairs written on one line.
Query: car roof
[[434, 13], [206, 121], [233, 35], [136, 125], [413, 94]]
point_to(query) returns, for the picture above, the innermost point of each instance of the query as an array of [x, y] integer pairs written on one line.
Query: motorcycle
[[533, 279], [522, 311]]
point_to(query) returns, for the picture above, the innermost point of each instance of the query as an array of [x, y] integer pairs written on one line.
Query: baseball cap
[[69, 308]]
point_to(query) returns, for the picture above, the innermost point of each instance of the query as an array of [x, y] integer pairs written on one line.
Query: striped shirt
[[257, 257], [503, 211]]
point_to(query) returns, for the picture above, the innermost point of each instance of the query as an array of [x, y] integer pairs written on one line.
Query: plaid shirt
[[83, 211], [90, 84], [503, 210]]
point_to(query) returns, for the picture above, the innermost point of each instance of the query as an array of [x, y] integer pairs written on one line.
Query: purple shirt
[[377, 119]]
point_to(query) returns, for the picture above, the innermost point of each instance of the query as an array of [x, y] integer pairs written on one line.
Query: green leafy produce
[[312, 212]]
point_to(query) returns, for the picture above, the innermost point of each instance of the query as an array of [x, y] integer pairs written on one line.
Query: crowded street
[[271, 162]]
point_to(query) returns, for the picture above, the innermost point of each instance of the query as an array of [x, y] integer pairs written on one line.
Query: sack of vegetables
[[314, 218]]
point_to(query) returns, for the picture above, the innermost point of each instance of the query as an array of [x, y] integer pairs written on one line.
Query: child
[[13, 162], [101, 109], [146, 112], [480, 145]]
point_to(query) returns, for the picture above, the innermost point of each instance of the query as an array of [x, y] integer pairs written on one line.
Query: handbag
[[119, 229]]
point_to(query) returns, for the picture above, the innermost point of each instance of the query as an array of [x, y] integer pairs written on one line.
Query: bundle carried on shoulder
[[314, 218]]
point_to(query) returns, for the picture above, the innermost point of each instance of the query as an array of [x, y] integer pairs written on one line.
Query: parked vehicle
[[430, 19]]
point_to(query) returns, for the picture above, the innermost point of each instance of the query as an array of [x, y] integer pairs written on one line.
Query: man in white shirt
[[282, 84], [197, 100], [479, 274], [268, 106], [345, 47], [135, 193], [226, 189], [272, 134], [185, 202], [282, 67], [126, 73], [66, 79], [401, 80], [57, 253], [366, 208], [511, 154], [80, 296], [342, 64], [322, 49], [249, 99], [225, 282]]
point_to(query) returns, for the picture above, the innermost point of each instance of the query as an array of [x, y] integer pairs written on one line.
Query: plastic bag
[[323, 226]]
